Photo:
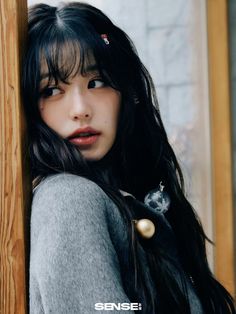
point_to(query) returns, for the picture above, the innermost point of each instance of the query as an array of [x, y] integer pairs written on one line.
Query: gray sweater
[[77, 235]]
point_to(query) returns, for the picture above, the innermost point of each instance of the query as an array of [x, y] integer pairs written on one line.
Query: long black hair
[[140, 158]]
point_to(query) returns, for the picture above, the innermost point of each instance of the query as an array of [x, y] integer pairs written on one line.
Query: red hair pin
[[105, 38]]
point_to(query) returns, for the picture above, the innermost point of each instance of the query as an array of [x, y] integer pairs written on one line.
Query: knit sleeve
[[73, 263]]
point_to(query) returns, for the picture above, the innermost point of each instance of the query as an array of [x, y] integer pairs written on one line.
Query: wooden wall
[[13, 173], [218, 53]]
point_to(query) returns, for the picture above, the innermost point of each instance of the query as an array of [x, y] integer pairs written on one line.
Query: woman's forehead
[[66, 60]]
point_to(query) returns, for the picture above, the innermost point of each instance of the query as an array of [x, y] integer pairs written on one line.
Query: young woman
[[109, 222]]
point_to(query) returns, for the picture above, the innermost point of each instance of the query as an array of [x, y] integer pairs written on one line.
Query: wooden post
[[14, 181], [221, 141]]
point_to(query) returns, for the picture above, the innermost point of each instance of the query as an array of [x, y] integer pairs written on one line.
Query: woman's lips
[[84, 141]]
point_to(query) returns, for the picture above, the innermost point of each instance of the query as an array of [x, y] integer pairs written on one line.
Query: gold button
[[145, 227]]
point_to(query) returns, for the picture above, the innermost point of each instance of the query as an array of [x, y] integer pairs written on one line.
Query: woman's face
[[85, 111]]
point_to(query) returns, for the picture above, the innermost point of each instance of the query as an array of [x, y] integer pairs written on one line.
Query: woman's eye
[[50, 91], [96, 83]]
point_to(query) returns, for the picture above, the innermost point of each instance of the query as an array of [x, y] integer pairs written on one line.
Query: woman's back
[[77, 242], [73, 262]]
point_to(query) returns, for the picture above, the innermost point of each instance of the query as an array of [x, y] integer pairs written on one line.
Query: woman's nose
[[80, 108]]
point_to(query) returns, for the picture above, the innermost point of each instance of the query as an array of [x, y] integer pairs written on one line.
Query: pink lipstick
[[84, 136]]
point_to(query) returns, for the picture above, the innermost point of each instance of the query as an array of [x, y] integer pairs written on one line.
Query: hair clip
[[105, 38]]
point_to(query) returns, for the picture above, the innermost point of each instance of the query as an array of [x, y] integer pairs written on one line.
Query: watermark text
[[118, 306]]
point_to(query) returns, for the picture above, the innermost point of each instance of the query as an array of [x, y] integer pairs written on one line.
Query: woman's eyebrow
[[91, 68], [44, 76], [88, 69]]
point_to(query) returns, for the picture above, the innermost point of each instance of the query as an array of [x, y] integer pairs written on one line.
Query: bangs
[[65, 58], [65, 48]]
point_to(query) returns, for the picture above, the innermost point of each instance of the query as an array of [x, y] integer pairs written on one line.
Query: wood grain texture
[[221, 141], [14, 181]]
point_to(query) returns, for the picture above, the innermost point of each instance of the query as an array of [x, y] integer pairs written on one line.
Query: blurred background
[[171, 39]]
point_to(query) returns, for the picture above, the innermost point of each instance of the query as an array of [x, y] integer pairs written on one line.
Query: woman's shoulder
[[68, 194], [65, 186], [65, 204], [65, 182]]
